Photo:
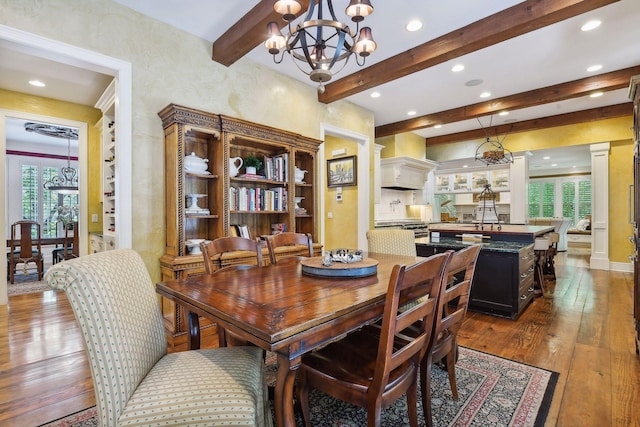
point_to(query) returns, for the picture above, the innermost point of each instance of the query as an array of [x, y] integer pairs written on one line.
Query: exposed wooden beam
[[604, 82], [611, 111], [520, 19], [247, 33]]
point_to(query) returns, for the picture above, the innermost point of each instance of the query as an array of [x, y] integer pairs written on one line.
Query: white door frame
[[35, 45]]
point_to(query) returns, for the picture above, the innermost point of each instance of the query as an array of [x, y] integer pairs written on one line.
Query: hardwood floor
[[584, 332]]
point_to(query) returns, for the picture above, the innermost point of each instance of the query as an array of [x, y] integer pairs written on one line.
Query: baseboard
[[625, 267]]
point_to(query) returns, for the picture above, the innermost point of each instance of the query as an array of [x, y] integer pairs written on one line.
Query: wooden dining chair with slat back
[[215, 249], [451, 310], [373, 366], [289, 239], [25, 247]]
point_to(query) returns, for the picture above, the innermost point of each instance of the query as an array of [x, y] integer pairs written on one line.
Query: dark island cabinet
[[503, 280]]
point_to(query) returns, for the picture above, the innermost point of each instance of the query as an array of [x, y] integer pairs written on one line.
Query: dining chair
[[70, 247], [372, 367], [289, 239], [451, 310], [25, 248], [215, 249], [136, 382], [392, 241]]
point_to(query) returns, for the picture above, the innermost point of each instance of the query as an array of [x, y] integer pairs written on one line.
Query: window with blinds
[[541, 199], [566, 197]]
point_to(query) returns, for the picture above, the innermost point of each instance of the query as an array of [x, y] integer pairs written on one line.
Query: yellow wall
[[340, 231], [617, 131], [50, 107], [404, 144]]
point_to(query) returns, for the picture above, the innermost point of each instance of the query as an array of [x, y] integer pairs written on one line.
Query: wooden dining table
[[281, 309]]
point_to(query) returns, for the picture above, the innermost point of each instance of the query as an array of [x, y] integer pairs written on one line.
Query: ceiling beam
[[247, 33], [515, 21], [608, 112], [604, 82]]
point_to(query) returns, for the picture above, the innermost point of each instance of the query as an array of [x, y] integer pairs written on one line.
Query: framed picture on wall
[[341, 172]]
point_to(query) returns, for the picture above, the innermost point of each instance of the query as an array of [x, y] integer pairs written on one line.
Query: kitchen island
[[504, 275]]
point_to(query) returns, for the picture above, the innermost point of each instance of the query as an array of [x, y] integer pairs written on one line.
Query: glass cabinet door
[[461, 182], [479, 180], [442, 184], [500, 180]]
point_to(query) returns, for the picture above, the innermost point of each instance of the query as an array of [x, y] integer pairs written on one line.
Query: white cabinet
[[474, 181], [107, 127]]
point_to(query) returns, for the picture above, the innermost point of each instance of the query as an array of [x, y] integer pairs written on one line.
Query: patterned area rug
[[493, 392], [20, 288]]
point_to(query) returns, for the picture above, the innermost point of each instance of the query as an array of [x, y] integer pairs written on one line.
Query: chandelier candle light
[[317, 44]]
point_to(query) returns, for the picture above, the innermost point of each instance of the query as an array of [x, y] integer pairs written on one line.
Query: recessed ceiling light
[[465, 166], [591, 25], [554, 164], [596, 94], [411, 113], [546, 158], [474, 82], [36, 83], [596, 67], [485, 94], [375, 95], [437, 126], [413, 25], [503, 113], [457, 68]]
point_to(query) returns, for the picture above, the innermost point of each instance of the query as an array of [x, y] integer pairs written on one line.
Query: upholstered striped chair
[[136, 382], [392, 241]]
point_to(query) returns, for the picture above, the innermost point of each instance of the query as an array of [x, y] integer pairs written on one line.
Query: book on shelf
[[276, 168], [240, 230], [251, 176]]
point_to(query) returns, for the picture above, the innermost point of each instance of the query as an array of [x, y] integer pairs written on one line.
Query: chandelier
[[67, 181], [491, 151], [317, 44]]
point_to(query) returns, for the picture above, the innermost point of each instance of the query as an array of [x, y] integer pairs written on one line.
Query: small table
[[280, 309]]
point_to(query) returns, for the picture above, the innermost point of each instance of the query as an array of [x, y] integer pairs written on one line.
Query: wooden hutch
[[219, 139]]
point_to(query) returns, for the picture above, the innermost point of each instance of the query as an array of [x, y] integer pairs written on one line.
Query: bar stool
[[541, 249], [549, 265]]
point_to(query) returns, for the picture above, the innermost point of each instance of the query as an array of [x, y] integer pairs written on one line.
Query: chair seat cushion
[[218, 387]]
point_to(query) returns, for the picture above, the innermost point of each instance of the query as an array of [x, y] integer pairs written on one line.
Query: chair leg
[[451, 370], [425, 388], [412, 401]]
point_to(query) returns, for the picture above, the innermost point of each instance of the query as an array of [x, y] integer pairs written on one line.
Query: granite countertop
[[495, 246], [506, 229]]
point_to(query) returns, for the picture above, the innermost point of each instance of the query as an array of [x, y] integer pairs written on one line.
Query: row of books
[[276, 167], [257, 199]]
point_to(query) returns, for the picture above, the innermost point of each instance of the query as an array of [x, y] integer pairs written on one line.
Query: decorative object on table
[[193, 207], [195, 164], [278, 228], [252, 164], [299, 175], [321, 32], [487, 211], [234, 167], [341, 172], [340, 263]]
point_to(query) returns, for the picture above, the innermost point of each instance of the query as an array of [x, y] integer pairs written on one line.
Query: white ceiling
[[552, 55]]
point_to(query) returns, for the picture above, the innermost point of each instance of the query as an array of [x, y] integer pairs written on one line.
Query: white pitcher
[[234, 168]]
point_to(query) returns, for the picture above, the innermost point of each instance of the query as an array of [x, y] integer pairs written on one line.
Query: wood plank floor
[[584, 332]]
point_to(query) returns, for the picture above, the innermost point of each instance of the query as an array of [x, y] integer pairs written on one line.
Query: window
[[38, 204], [555, 197]]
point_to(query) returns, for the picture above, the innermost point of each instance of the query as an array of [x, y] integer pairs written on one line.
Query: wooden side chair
[[392, 241], [25, 248], [71, 246], [288, 239], [215, 249], [451, 310], [372, 367], [135, 381]]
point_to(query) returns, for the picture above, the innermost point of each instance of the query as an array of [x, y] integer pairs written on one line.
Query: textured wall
[[171, 66]]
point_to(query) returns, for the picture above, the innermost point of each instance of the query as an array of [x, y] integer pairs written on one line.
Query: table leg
[[194, 330], [283, 404]]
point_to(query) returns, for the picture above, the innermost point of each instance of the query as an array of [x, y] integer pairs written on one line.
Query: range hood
[[404, 173]]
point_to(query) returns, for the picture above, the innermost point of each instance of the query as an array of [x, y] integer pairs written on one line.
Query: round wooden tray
[[313, 267]]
